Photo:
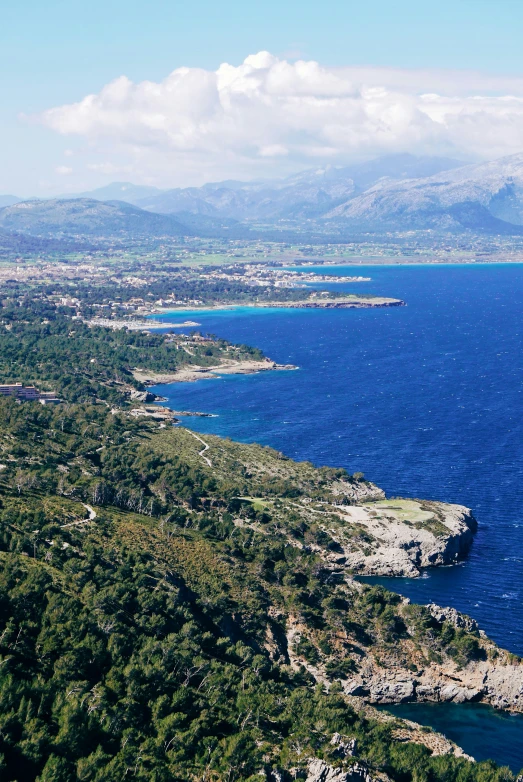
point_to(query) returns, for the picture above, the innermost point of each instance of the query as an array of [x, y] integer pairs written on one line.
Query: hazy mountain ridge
[[368, 197], [308, 194], [88, 217], [117, 191], [8, 200], [496, 186]]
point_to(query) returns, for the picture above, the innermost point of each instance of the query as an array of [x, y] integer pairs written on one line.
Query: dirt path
[[91, 517], [205, 448]]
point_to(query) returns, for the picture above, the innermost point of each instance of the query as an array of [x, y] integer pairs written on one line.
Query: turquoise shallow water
[[426, 400]]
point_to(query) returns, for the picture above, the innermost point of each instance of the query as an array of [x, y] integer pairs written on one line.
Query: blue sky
[[56, 53]]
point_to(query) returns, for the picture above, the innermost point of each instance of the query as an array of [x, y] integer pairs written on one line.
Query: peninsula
[[194, 372], [313, 301]]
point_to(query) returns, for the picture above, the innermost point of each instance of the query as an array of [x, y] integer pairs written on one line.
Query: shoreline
[[402, 262], [138, 324], [374, 261], [376, 302], [191, 374]]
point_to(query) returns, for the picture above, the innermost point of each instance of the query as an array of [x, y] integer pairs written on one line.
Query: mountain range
[[392, 193], [309, 194]]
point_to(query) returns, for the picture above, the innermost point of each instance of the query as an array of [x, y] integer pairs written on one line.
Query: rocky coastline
[[400, 537], [404, 674], [496, 681], [314, 302], [342, 303], [192, 373]]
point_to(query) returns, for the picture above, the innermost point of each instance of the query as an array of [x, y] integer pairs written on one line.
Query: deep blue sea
[[426, 400]]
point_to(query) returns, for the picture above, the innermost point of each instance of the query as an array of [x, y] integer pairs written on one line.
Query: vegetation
[[152, 640], [40, 343], [159, 615]]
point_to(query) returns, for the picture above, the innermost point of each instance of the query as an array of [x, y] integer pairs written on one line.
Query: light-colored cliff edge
[[399, 537], [405, 673]]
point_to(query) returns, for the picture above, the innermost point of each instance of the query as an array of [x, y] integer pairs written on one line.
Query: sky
[[175, 94]]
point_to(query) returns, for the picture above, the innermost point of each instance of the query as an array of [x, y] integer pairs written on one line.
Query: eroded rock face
[[344, 747], [454, 617], [142, 396], [320, 771], [357, 491], [498, 683]]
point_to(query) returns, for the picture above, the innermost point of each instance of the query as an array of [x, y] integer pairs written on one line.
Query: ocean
[[426, 400]]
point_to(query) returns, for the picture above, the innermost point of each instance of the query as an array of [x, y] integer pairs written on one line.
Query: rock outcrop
[[454, 617], [344, 747], [498, 683], [399, 537], [142, 396], [320, 771]]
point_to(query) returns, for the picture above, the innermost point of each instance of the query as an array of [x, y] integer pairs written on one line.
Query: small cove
[[479, 730]]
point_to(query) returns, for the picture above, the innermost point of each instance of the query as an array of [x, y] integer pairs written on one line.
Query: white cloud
[[63, 170], [269, 116]]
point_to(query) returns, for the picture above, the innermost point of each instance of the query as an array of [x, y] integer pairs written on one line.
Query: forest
[[41, 343], [147, 597]]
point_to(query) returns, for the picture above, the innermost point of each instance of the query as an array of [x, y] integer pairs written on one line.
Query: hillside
[[13, 245], [152, 619], [176, 607], [85, 217]]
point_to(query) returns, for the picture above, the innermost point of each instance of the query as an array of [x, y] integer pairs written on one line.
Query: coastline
[[138, 324], [358, 261], [484, 681], [353, 302], [191, 374]]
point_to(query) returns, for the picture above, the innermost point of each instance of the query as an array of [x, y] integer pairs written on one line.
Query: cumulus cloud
[[270, 116], [63, 170]]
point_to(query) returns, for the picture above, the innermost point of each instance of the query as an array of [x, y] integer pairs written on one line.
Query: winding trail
[[205, 447], [91, 517]]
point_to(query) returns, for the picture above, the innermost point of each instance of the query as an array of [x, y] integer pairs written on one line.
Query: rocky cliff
[[399, 537], [413, 669]]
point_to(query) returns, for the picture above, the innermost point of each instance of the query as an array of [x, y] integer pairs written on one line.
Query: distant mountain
[[392, 193], [116, 191], [188, 199], [8, 200], [306, 195], [387, 167], [86, 217], [484, 196]]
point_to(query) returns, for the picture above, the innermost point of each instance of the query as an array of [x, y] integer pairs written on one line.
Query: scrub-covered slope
[[168, 617]]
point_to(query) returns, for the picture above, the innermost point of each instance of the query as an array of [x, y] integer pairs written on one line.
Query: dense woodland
[[41, 344], [145, 595]]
